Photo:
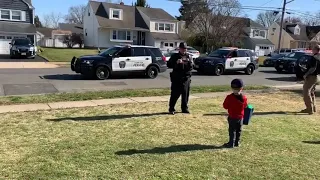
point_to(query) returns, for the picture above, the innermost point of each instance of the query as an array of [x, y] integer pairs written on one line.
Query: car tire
[[102, 73], [279, 70], [249, 70], [152, 72], [218, 70]]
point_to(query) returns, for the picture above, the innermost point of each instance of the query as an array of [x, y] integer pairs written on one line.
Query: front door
[[123, 61], [141, 38]]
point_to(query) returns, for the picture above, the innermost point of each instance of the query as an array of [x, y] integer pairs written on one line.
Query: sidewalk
[[95, 103], [27, 65]]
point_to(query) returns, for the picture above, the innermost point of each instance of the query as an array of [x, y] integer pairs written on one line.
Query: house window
[[171, 44], [297, 31], [115, 14], [5, 14], [259, 33], [121, 35], [164, 27], [16, 15], [166, 44], [9, 37], [86, 32], [274, 29]]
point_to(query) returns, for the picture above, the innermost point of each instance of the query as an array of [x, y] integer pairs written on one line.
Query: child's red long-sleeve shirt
[[235, 105]]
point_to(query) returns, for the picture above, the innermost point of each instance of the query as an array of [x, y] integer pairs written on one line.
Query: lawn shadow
[[106, 117], [269, 72], [299, 92], [255, 113], [311, 142], [170, 149], [285, 79]]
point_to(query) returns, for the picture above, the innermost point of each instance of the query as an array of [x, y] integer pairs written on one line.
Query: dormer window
[[16, 15], [12, 15], [115, 13], [297, 31], [5, 14]]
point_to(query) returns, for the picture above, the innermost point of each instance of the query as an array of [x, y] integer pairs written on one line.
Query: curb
[[105, 102]]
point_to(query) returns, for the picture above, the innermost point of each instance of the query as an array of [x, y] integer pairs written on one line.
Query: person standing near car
[[181, 64], [310, 81]]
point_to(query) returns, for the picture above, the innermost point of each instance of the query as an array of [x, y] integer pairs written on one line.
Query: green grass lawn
[[137, 141], [64, 54], [95, 95]]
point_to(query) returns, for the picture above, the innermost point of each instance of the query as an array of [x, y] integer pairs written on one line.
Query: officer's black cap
[[183, 45], [236, 83]]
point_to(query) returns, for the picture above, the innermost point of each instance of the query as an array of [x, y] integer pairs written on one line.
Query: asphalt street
[[40, 81]]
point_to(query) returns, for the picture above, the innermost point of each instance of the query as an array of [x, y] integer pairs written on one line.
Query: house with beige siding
[[294, 35]]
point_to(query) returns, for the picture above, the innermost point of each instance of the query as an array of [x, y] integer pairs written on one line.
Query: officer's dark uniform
[[180, 79]]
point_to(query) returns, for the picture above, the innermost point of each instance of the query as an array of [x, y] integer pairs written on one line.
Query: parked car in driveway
[[288, 63], [147, 60], [270, 61], [192, 51], [22, 47]]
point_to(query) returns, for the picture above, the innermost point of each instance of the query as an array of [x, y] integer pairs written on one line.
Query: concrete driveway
[[40, 81], [6, 58]]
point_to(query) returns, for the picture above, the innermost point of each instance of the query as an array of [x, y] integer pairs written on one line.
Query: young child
[[235, 103]]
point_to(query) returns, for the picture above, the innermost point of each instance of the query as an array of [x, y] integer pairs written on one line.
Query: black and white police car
[[121, 59], [227, 59]]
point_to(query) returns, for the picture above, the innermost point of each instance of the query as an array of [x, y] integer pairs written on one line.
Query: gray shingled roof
[[17, 27], [74, 28], [165, 36], [156, 14], [131, 17], [261, 41], [29, 2], [47, 32]]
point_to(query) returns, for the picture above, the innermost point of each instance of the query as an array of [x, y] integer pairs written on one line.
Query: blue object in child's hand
[[248, 112]]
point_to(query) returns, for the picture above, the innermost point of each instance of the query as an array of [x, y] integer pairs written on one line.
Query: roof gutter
[[29, 5]]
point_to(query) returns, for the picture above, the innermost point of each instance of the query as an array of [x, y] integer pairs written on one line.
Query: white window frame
[[157, 27], [258, 34], [111, 14], [117, 35], [297, 31], [11, 14]]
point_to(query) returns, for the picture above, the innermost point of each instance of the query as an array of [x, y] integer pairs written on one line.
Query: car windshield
[[278, 56], [110, 51], [219, 53], [22, 42], [295, 55]]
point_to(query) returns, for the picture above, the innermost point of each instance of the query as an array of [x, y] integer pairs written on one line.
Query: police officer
[[181, 63], [310, 81]]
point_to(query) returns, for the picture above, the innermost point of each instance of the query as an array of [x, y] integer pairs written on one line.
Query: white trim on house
[[112, 10], [22, 15]]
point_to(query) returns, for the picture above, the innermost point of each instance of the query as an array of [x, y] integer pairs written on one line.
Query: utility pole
[[281, 23]]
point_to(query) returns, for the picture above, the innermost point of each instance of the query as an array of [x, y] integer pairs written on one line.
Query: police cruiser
[[121, 59], [227, 59]]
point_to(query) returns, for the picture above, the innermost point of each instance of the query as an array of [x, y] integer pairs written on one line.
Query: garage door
[[4, 43]]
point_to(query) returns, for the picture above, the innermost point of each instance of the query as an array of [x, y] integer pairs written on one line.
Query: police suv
[[121, 59], [227, 59]]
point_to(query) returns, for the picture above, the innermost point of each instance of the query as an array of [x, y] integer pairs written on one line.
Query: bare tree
[[52, 20], [312, 19], [217, 21], [75, 14], [267, 18], [292, 19]]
